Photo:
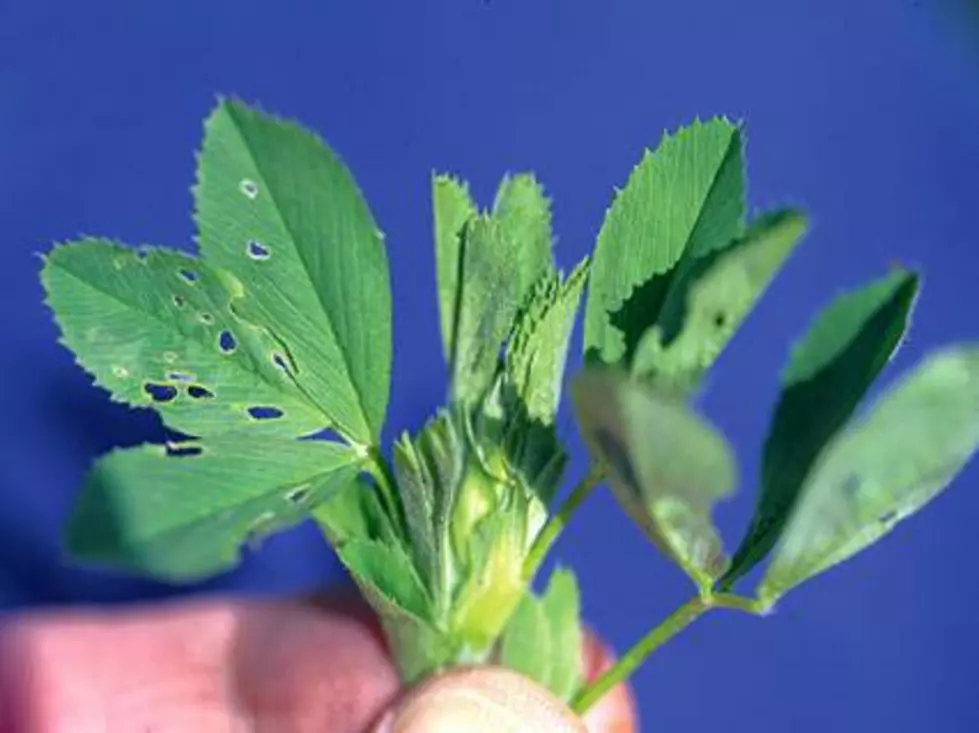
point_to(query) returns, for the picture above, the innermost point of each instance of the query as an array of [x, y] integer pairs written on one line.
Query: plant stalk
[[552, 530], [676, 622]]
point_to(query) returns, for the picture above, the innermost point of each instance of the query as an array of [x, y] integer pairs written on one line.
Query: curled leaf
[[885, 467], [665, 465]]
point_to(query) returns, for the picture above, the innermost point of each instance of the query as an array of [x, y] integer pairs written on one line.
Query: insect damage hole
[[263, 412], [183, 450], [199, 392], [249, 188], [227, 342], [180, 377], [160, 392], [188, 276], [178, 301], [257, 251], [299, 494], [206, 318]]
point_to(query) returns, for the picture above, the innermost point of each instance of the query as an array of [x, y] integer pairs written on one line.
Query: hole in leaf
[[299, 494], [180, 377], [260, 529], [265, 413], [178, 301], [120, 371], [141, 254], [280, 361], [206, 318], [257, 251], [888, 517], [248, 187], [199, 392], [227, 342], [160, 392], [188, 275], [720, 319], [183, 450]]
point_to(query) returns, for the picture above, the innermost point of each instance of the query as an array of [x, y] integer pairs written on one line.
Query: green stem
[[552, 530], [673, 625], [380, 469]]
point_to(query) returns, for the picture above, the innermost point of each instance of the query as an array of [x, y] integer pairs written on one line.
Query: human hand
[[222, 666]]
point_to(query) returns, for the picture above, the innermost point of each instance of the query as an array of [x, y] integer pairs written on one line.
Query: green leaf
[[666, 466], [684, 200], [538, 349], [708, 301], [183, 511], [882, 469], [543, 639], [453, 208], [354, 512], [276, 208], [827, 376], [524, 214], [429, 471], [155, 328], [487, 264], [388, 579]]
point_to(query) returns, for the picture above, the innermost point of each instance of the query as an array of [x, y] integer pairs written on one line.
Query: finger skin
[[218, 666]]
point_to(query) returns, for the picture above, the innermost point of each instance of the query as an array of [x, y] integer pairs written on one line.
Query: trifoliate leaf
[[182, 512], [276, 208], [666, 466], [686, 199], [429, 470], [155, 328], [884, 468], [388, 579], [827, 376], [543, 639], [453, 208], [707, 302], [538, 349], [487, 264]]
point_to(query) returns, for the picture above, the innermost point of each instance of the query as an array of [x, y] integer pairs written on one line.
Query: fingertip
[[480, 700]]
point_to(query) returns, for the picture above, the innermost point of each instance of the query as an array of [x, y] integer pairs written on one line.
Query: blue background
[[865, 112]]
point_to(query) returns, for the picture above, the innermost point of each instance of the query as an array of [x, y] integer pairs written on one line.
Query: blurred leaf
[[543, 639], [354, 512], [708, 300], [828, 374], [155, 328], [665, 465], [390, 583], [183, 512], [686, 199], [278, 210], [882, 469]]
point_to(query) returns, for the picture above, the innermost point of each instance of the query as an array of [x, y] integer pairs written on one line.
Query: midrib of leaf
[[328, 317], [195, 519], [457, 304], [245, 364]]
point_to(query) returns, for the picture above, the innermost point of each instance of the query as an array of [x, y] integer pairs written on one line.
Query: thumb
[[481, 700]]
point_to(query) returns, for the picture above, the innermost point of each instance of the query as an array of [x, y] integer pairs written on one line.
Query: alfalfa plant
[[271, 352]]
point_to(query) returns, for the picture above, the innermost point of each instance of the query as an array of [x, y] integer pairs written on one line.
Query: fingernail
[[480, 701]]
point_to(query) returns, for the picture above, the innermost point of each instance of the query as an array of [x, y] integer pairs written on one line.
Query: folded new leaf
[[682, 202], [543, 639], [827, 376], [885, 467], [183, 512], [665, 465], [486, 265], [157, 329], [277, 209], [707, 299]]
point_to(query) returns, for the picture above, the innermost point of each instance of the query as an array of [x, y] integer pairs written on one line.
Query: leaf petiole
[[552, 530], [383, 475], [676, 622]]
